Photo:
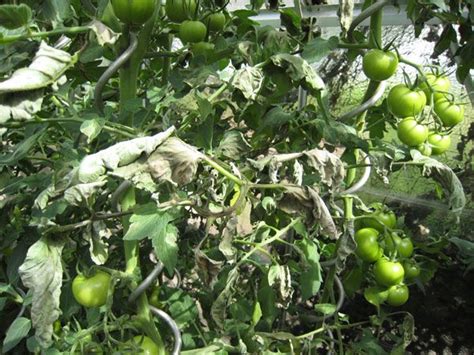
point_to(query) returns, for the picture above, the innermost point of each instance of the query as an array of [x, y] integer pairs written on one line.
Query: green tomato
[[215, 22], [391, 242], [91, 291], [202, 49], [437, 83], [398, 295], [379, 65], [180, 10], [379, 220], [388, 273], [147, 345], [367, 247], [411, 132], [192, 31], [405, 102], [449, 113], [425, 149], [109, 18], [405, 248], [134, 12], [412, 270], [154, 298], [439, 143]]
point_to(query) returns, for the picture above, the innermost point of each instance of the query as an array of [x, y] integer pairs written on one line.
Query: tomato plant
[[180, 10], [215, 22], [145, 344], [367, 247], [398, 295], [201, 160], [134, 12], [379, 65], [439, 143], [449, 113], [388, 273], [91, 291], [412, 133], [380, 219], [440, 84], [192, 31], [405, 102]]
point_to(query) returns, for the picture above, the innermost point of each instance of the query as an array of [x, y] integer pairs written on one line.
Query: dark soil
[[443, 313]]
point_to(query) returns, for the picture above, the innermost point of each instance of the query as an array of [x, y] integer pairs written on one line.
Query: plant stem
[[223, 171], [56, 32]]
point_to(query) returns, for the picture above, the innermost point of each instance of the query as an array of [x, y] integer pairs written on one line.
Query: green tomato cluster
[[192, 30], [378, 243], [407, 103]]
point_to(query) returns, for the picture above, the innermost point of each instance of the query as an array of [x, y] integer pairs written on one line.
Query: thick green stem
[[166, 62], [56, 32], [130, 71]]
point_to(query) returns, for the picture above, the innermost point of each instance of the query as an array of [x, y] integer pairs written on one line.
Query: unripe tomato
[[147, 345], [425, 149], [379, 65], [379, 220], [192, 31], [388, 273], [91, 291], [367, 247], [203, 49], [180, 10], [449, 113], [405, 102], [411, 132], [134, 12], [398, 295], [437, 83], [439, 143], [154, 298], [405, 248], [391, 242], [215, 22], [412, 270]]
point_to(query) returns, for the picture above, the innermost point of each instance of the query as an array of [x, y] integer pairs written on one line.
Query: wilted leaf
[[446, 177], [174, 161], [79, 195], [346, 8], [249, 81], [208, 267], [95, 165], [48, 66], [219, 307], [306, 201], [97, 235], [20, 106], [42, 273], [328, 165], [300, 71], [103, 33]]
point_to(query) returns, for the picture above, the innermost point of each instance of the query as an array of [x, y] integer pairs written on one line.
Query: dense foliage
[[209, 180]]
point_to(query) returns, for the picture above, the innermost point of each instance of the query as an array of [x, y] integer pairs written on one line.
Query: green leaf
[[182, 308], [15, 16], [325, 308], [441, 4], [166, 247], [92, 128], [257, 313], [375, 295], [310, 278], [319, 48], [353, 280], [18, 330], [42, 273], [22, 149]]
